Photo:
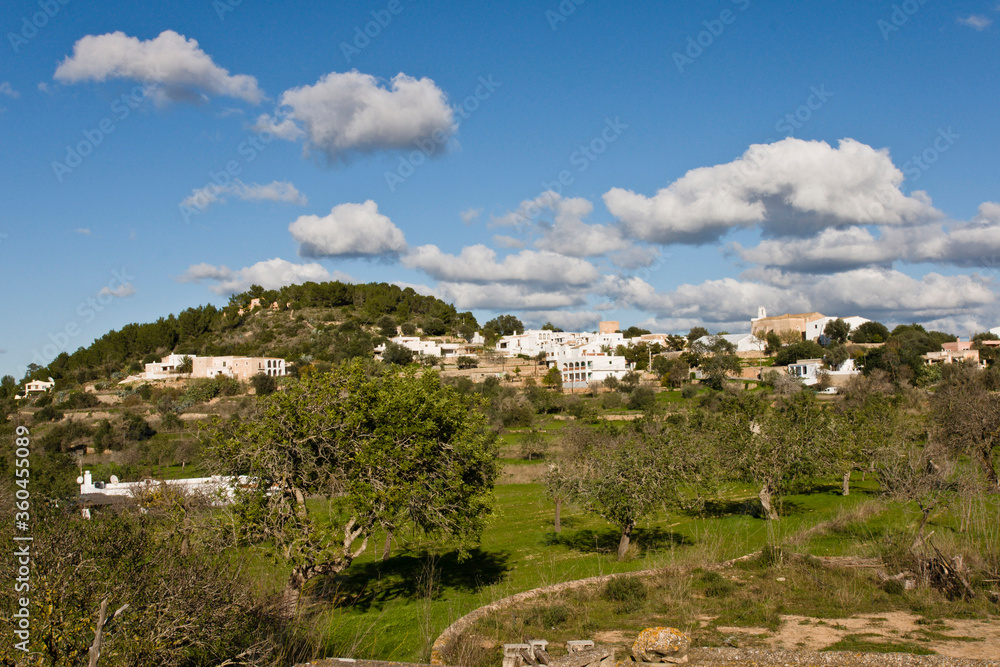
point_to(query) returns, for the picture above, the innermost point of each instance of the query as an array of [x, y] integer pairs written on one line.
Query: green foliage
[[183, 604], [629, 592], [203, 390], [78, 400], [773, 343], [791, 354], [386, 326], [264, 384], [504, 325], [434, 326], [870, 332], [901, 356], [47, 414], [397, 354], [408, 328], [635, 332], [466, 362], [837, 330], [393, 449], [642, 398], [695, 333], [552, 378]]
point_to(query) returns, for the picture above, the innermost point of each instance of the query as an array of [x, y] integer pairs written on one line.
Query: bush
[[263, 384], [629, 592], [689, 391], [642, 398], [611, 401], [47, 414], [78, 400], [186, 604]]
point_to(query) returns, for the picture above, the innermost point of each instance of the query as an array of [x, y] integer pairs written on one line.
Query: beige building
[[608, 327], [761, 325], [241, 368]]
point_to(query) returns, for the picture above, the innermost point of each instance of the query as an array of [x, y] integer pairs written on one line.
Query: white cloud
[[470, 215], [516, 297], [269, 274], [876, 293], [121, 291], [566, 320], [44, 87], [788, 188], [478, 264], [350, 112], [82, 231], [7, 90], [175, 66], [276, 191], [975, 243], [976, 21], [505, 241], [348, 230]]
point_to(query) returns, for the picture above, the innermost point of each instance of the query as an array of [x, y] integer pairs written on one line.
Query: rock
[[661, 645]]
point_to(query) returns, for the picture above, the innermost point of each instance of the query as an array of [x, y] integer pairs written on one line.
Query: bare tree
[[966, 412]]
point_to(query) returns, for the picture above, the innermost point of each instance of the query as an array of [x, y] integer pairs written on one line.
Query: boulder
[[668, 645]]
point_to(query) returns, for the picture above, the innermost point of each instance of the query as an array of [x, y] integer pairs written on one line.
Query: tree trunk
[[293, 591], [986, 463], [765, 501], [847, 484], [386, 546], [626, 538], [558, 525]]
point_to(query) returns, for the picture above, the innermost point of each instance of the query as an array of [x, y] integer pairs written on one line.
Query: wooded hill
[[326, 322]]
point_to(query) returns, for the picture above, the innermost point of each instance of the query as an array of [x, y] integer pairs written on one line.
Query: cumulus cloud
[[276, 191], [269, 274], [517, 297], [567, 320], [349, 230], [7, 91], [567, 233], [121, 291], [976, 21], [788, 188], [478, 264], [351, 112], [877, 293], [175, 67], [971, 244]]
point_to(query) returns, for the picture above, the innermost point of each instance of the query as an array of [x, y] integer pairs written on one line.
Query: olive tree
[[774, 447], [966, 411], [387, 449], [623, 477]]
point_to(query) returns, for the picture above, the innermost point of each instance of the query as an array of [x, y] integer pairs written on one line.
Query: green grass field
[[394, 610]]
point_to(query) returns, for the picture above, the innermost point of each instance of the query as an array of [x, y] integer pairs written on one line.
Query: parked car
[[828, 390]]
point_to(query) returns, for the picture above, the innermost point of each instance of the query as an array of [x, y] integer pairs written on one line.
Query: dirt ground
[[975, 639]]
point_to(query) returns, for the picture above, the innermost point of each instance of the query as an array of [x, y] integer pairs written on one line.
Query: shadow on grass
[[606, 540], [412, 576]]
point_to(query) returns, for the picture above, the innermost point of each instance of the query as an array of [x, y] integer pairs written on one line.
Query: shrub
[[642, 398], [629, 592], [48, 414], [263, 384], [78, 400], [689, 391]]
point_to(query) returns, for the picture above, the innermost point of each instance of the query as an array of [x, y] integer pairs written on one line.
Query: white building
[[808, 370], [38, 386], [241, 368], [166, 366], [427, 348], [579, 369], [814, 329]]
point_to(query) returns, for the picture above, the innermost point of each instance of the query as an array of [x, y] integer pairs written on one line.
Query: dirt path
[[976, 639]]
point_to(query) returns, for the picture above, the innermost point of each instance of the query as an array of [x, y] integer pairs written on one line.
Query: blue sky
[[663, 164]]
